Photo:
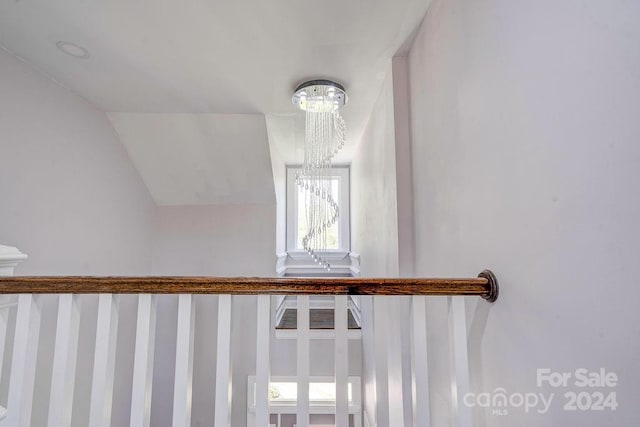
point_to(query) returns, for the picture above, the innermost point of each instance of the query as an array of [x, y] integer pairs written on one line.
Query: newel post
[[10, 257]]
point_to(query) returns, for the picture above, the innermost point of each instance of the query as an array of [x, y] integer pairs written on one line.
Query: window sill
[[299, 263], [330, 255]]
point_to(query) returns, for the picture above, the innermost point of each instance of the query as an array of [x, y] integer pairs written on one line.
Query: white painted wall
[[217, 240], [374, 220], [71, 198], [73, 201], [526, 159]]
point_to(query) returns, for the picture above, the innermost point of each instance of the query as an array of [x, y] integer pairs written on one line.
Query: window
[[319, 393], [283, 391], [339, 233], [322, 401]]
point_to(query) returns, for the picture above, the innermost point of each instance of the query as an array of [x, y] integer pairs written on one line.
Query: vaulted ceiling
[[211, 57]]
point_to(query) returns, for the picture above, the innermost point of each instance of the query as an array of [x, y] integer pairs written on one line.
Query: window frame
[[315, 406], [342, 172]]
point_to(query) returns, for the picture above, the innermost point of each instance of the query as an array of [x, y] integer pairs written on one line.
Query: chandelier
[[324, 137]]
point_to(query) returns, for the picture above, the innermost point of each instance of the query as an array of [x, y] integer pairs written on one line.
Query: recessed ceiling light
[[73, 49]]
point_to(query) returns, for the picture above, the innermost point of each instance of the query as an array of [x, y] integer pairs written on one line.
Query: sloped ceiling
[[199, 159], [210, 57]]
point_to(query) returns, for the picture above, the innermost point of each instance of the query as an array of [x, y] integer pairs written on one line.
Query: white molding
[[329, 255], [317, 334]]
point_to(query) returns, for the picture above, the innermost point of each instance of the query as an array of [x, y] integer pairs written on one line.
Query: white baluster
[[459, 362], [381, 326], [23, 364], [222, 417], [104, 361], [64, 361], [263, 359], [143, 361], [302, 414], [5, 306], [341, 360], [419, 364], [394, 360], [182, 390]]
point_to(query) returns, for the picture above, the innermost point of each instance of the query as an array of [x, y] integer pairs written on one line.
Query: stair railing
[[27, 329]]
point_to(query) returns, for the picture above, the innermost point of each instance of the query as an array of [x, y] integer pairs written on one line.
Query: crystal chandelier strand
[[324, 138]]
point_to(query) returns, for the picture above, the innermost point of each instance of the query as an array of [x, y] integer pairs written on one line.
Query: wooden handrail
[[485, 285]]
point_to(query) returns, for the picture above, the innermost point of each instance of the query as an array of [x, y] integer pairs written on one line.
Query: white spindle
[[6, 303], [23, 364], [64, 361], [341, 360], [222, 417], [263, 359], [104, 361], [302, 414], [381, 326], [459, 362], [419, 364], [143, 361], [182, 390], [394, 360]]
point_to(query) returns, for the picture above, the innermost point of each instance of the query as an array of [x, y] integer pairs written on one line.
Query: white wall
[[526, 160], [71, 199], [216, 240], [374, 220]]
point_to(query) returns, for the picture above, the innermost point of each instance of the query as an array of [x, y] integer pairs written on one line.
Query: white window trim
[[342, 172], [316, 407]]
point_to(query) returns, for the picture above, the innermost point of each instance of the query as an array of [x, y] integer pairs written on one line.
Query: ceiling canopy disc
[[319, 96]]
